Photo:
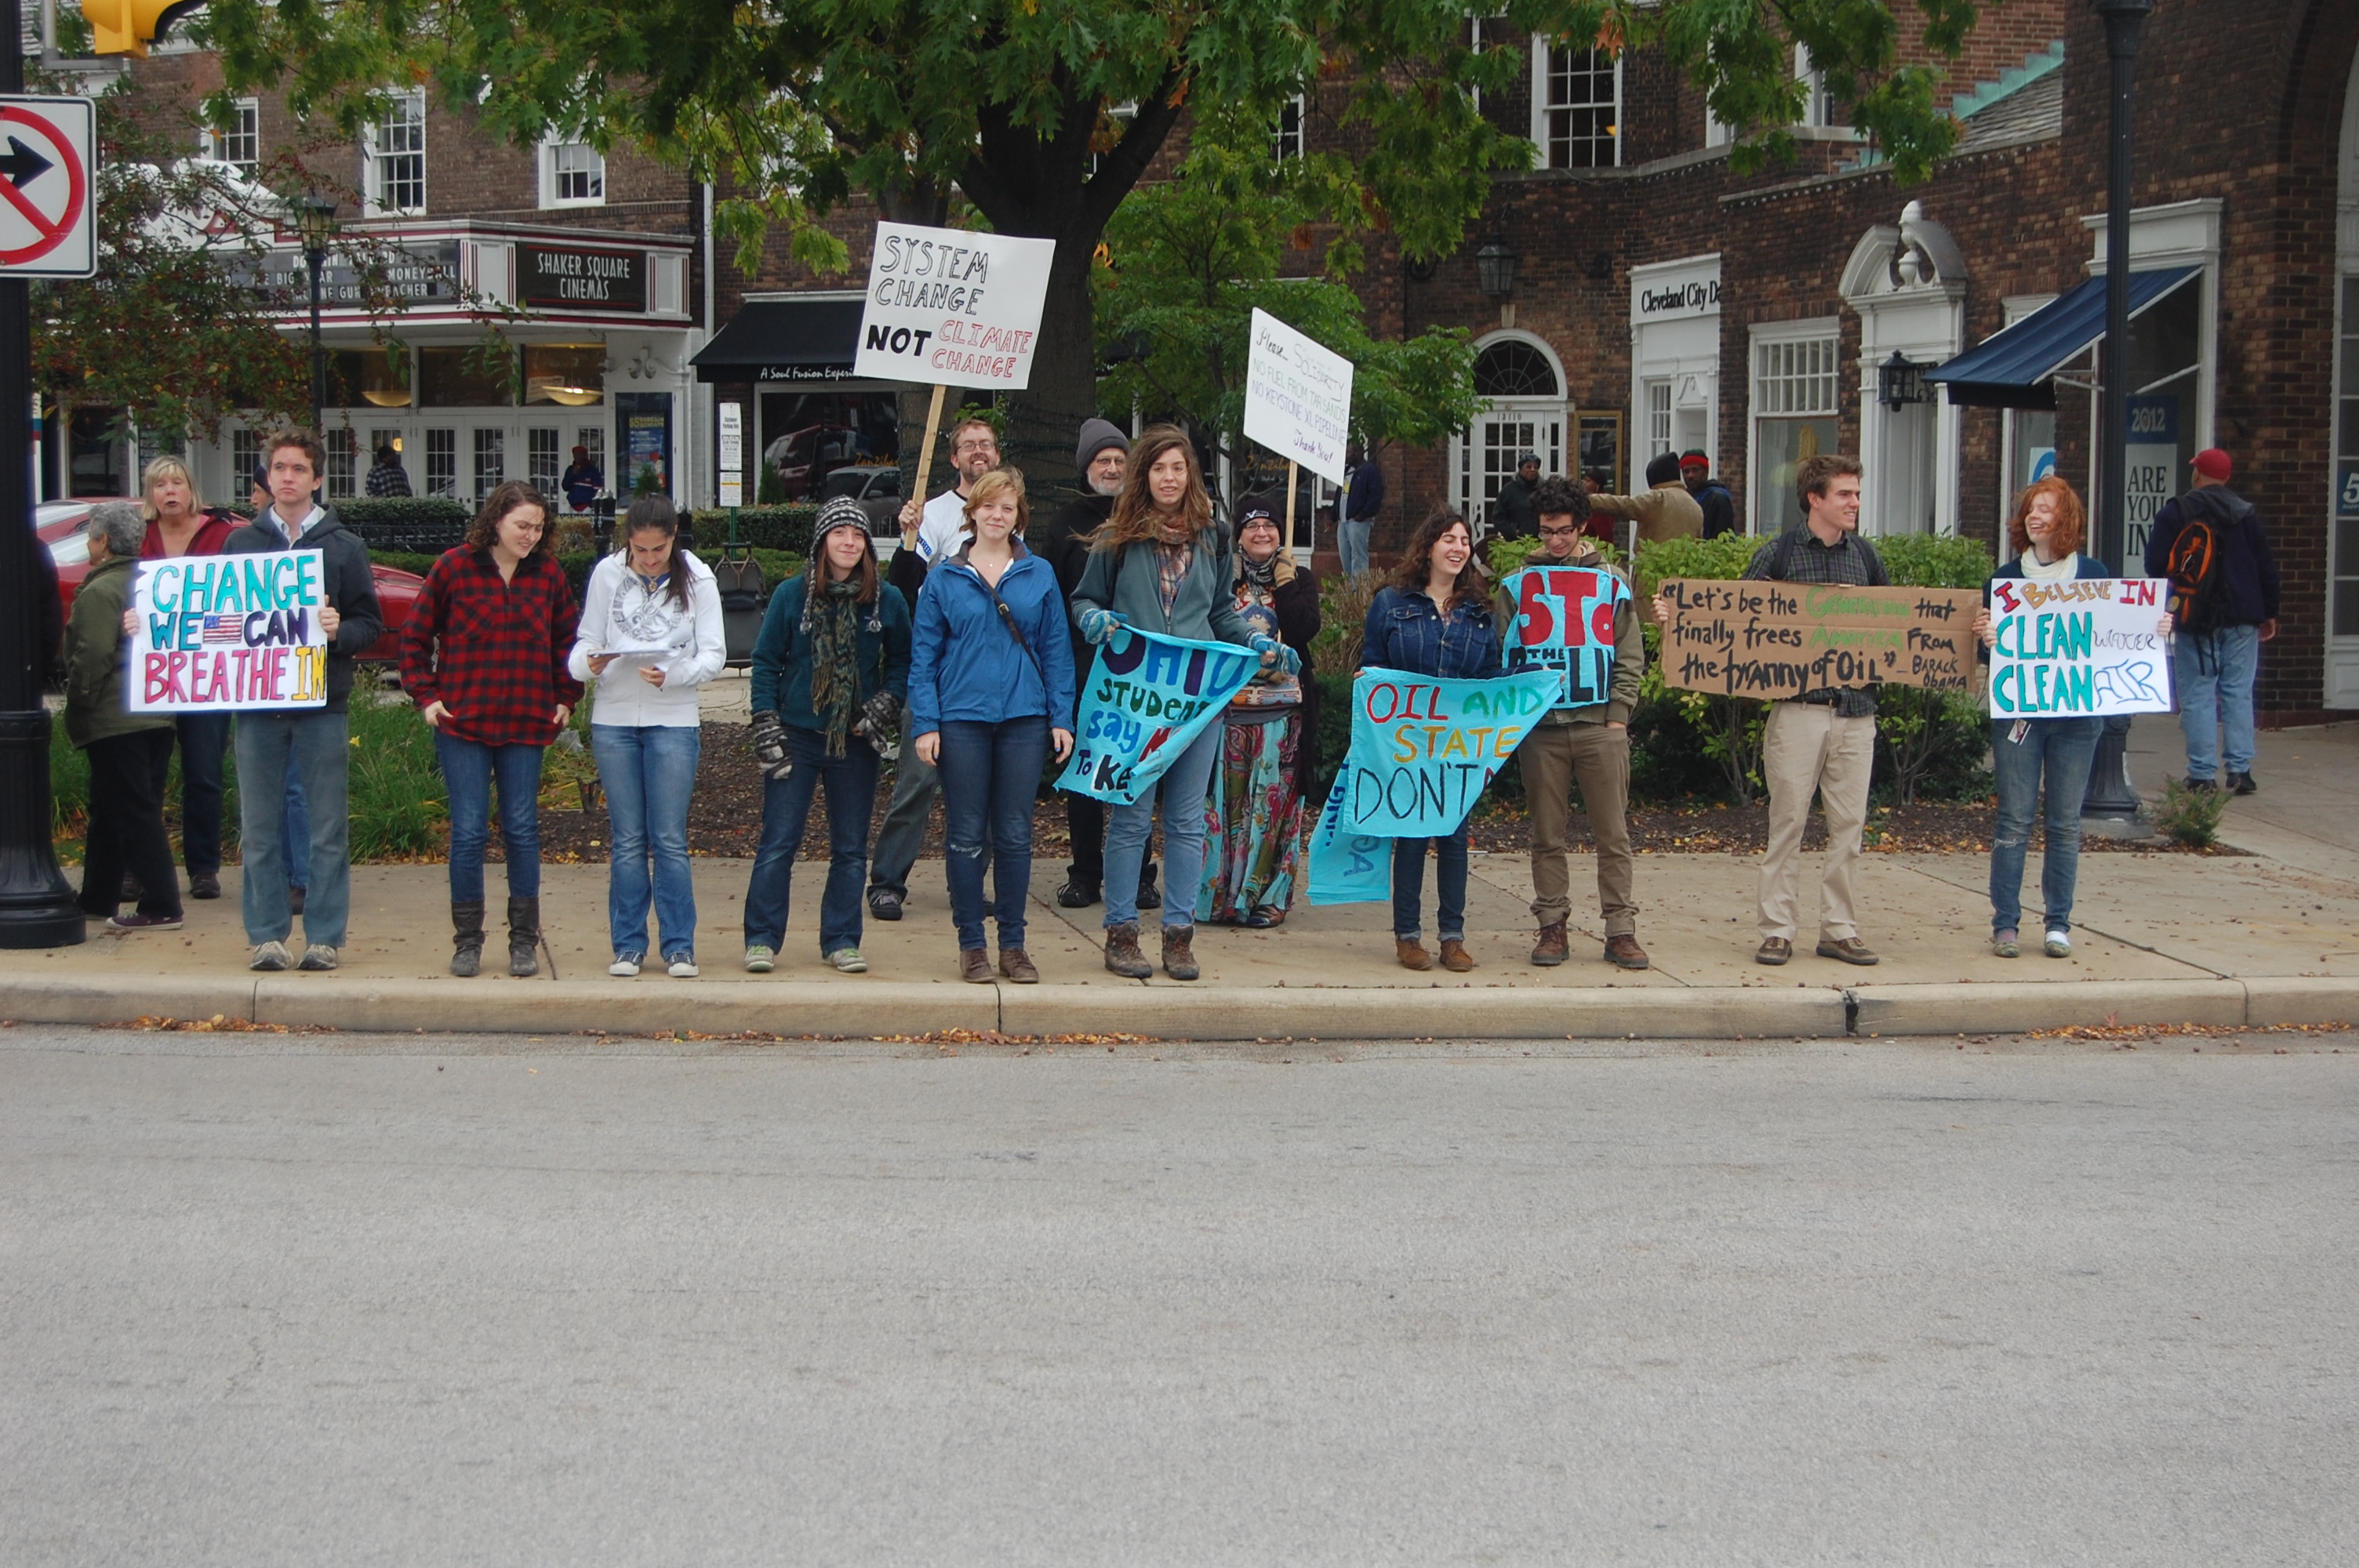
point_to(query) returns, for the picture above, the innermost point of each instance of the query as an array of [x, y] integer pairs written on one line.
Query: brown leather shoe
[[1550, 949], [1411, 953], [1623, 953], [974, 966], [1454, 956], [1122, 954], [1773, 950], [1017, 966], [1179, 952], [1850, 950]]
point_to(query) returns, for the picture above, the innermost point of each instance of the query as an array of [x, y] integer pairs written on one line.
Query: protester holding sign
[[484, 657], [180, 524], [1566, 609], [1100, 456], [1433, 619], [991, 680], [1252, 846], [1160, 564], [2046, 530], [126, 831], [313, 741], [651, 634]]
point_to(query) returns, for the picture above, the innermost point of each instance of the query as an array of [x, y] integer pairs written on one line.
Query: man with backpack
[[2223, 594], [1719, 506]]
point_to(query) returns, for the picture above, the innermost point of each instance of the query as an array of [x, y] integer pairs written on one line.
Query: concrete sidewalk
[[2159, 938]]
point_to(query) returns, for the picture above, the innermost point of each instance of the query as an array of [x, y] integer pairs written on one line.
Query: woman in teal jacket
[[830, 671]]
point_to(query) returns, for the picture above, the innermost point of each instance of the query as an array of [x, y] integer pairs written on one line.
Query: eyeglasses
[[985, 445], [1572, 532]]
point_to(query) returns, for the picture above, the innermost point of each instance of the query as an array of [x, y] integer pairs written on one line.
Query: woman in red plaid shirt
[[483, 657]]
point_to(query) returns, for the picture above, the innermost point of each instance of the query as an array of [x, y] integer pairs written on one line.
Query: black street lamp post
[[315, 219]]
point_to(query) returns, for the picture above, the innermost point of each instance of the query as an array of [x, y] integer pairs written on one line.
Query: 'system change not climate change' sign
[[950, 306], [2069, 650], [1777, 640], [218, 633]]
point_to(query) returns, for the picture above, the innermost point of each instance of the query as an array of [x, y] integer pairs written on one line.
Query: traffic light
[[127, 26]]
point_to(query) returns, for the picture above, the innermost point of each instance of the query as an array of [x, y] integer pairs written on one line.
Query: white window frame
[[1657, 438], [1546, 154], [373, 157], [1553, 434], [216, 146], [552, 176], [1817, 109], [1284, 144], [1826, 329]]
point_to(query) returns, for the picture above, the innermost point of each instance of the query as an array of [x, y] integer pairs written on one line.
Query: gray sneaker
[[849, 960], [271, 957], [318, 956], [760, 959]]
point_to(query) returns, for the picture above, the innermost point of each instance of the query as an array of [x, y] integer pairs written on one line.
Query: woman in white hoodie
[[650, 635]]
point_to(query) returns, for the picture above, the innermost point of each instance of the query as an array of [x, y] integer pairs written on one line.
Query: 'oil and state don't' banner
[[1775, 639], [221, 633], [1422, 752], [2069, 650], [1148, 696], [1564, 622]]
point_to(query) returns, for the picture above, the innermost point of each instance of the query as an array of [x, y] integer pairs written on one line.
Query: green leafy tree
[[1037, 117]]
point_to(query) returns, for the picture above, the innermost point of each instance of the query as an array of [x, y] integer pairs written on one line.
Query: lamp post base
[[2110, 808], [37, 905]]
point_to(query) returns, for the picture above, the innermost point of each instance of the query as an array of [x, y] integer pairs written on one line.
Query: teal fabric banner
[[1148, 696], [1564, 622], [1423, 750]]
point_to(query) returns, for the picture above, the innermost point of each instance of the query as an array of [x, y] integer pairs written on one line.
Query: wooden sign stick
[[925, 451], [1290, 486]]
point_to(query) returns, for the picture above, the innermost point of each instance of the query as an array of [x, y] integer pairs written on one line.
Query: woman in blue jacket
[[830, 670], [991, 675], [1433, 619]]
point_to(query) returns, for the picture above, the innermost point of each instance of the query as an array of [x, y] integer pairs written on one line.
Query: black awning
[[801, 340], [2012, 369]]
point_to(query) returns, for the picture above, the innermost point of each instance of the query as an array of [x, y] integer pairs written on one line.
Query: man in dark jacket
[[1364, 501], [126, 804], [1512, 517], [2224, 592], [312, 741], [1719, 506]]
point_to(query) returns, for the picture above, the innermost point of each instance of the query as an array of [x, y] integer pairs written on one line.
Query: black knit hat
[[837, 511]]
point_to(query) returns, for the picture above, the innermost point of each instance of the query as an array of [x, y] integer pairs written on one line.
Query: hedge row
[[430, 525]]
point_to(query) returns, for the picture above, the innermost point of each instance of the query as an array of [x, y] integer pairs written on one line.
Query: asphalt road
[[345, 1300]]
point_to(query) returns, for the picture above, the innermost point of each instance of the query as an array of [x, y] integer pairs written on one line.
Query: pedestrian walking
[[991, 680], [311, 744], [126, 828], [1363, 503], [180, 524], [1253, 822], [1434, 617], [484, 657], [831, 674], [387, 477], [2224, 592], [1161, 563], [650, 635], [2047, 529], [1588, 744]]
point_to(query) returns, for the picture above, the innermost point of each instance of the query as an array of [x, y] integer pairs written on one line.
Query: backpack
[[1781, 556], [2197, 567]]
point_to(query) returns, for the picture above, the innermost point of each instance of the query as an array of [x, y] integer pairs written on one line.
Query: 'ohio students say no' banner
[[1781, 639], [217, 634], [1148, 696]]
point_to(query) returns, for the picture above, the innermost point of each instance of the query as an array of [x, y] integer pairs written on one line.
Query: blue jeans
[[1181, 789], [468, 770], [2215, 671], [851, 782], [1352, 544], [2063, 750], [313, 746], [1449, 885], [648, 772], [203, 739], [990, 774], [295, 832]]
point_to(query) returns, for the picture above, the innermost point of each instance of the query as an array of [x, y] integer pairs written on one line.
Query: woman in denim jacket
[[1433, 619]]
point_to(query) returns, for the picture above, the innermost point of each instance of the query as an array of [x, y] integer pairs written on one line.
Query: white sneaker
[[849, 961], [2060, 945], [625, 967], [684, 967], [271, 957], [759, 959], [317, 956]]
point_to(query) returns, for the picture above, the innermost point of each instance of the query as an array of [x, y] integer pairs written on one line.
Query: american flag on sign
[[230, 629]]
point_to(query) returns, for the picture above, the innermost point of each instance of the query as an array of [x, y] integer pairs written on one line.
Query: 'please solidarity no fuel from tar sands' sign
[[2069, 650], [219, 633], [1781, 639]]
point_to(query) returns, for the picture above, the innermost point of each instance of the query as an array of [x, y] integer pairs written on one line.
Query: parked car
[[878, 490], [60, 524], [800, 456]]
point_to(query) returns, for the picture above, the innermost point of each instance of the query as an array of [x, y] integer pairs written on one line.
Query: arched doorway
[[1522, 385]]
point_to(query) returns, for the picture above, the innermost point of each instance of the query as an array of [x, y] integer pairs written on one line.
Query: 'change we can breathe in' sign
[[218, 633]]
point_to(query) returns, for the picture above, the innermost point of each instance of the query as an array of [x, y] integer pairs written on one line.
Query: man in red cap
[[1719, 506], [582, 481], [2224, 592]]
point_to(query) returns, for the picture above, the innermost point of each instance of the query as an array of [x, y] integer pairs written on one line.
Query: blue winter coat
[[964, 662]]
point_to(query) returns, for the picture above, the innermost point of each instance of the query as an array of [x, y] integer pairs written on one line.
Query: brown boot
[[1017, 966], [1624, 952], [1122, 954], [1454, 956], [524, 936], [1551, 949], [1411, 953], [974, 966], [1179, 952]]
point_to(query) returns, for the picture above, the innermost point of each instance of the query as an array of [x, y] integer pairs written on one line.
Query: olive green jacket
[[98, 689]]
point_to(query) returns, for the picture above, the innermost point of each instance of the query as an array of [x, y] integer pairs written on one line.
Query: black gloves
[[880, 724]]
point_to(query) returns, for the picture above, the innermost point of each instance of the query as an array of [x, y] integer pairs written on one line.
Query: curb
[[1174, 1012]]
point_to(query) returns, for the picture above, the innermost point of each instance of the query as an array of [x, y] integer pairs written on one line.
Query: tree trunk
[[1045, 419]]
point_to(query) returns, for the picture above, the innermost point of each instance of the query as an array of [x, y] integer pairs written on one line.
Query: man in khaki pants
[[1823, 742], [1590, 742]]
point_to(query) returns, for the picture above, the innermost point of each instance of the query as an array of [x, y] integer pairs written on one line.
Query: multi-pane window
[[491, 460], [1286, 142], [1658, 418], [442, 463], [343, 446], [541, 466], [244, 457], [396, 155], [577, 175], [1581, 109], [240, 145], [1795, 391]]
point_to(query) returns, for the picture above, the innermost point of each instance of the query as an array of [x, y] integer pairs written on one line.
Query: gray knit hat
[[837, 511]]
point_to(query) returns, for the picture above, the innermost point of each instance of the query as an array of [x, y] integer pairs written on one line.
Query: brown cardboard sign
[[1775, 639]]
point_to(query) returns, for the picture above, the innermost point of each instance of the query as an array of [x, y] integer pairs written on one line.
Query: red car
[[61, 526]]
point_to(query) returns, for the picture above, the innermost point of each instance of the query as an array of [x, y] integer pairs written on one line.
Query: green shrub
[[2191, 817], [68, 781], [785, 527], [396, 799]]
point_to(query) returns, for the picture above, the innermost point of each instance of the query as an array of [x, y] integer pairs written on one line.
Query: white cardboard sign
[[1297, 397], [226, 633], [950, 306], [2076, 649]]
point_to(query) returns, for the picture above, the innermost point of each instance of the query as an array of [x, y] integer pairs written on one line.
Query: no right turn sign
[[48, 150]]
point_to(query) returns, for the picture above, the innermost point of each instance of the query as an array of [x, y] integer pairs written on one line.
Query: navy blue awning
[[2011, 369]]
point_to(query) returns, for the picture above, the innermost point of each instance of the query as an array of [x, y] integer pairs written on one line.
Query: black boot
[[467, 938], [524, 936]]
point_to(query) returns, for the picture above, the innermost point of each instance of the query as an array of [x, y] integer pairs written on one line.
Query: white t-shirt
[[618, 612], [942, 527]]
